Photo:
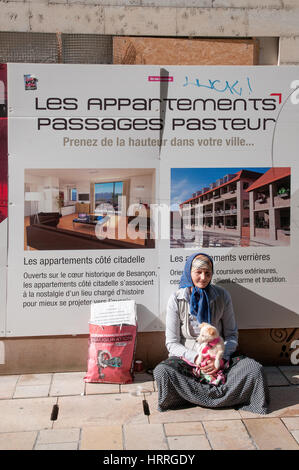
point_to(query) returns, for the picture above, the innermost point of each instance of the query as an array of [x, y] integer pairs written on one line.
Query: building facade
[[270, 207], [223, 208]]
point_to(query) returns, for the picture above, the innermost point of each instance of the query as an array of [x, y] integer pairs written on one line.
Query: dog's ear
[[211, 331], [202, 325]]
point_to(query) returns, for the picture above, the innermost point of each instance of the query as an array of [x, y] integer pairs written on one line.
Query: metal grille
[[55, 48], [28, 47], [86, 49]]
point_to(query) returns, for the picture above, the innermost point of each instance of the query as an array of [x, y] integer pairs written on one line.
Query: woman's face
[[201, 277]]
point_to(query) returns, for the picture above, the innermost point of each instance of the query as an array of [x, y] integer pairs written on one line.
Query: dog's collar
[[215, 341], [210, 345]]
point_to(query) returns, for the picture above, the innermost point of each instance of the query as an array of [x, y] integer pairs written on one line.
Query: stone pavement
[[60, 411]]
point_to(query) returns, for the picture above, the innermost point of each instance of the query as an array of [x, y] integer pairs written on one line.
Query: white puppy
[[210, 345]]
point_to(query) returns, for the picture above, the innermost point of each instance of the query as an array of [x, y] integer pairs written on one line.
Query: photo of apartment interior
[[64, 208], [247, 204]]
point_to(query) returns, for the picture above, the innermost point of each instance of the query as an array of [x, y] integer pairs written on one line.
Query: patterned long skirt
[[245, 387]]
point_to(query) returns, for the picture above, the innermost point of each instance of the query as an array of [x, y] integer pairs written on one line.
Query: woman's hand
[[209, 368], [197, 361]]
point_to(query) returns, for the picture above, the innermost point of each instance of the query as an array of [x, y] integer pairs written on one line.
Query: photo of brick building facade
[[243, 208], [270, 207]]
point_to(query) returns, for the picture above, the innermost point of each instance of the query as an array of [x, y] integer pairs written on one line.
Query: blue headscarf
[[199, 299]]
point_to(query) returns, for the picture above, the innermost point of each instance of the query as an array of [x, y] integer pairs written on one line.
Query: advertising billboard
[[118, 173]]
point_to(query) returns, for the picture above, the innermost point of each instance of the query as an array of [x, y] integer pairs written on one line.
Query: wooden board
[[173, 51]]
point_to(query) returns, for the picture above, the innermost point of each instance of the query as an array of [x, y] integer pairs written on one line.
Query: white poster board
[[3, 275], [119, 150], [3, 200], [75, 136], [236, 126]]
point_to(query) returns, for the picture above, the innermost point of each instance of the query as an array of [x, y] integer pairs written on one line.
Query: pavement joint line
[[80, 439], [286, 377], [123, 437], [36, 439], [288, 430], [206, 434], [250, 436], [15, 387], [50, 385], [282, 372], [165, 436], [282, 385]]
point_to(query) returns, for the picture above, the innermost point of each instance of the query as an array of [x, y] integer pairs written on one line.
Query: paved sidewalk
[[60, 411]]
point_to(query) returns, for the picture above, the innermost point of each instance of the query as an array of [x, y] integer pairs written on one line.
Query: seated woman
[[197, 301]]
